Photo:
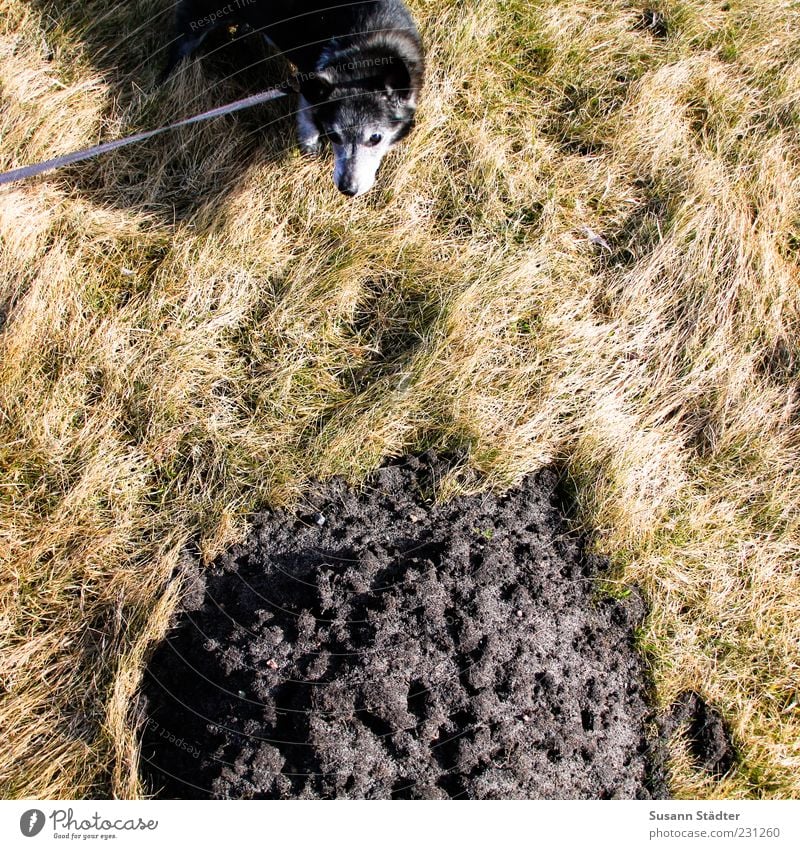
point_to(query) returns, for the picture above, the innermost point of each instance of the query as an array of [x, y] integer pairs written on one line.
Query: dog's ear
[[316, 87], [397, 79]]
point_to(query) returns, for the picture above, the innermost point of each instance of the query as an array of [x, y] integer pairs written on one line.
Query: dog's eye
[[335, 138], [374, 139]]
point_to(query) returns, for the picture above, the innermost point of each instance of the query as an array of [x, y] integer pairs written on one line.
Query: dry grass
[[587, 252]]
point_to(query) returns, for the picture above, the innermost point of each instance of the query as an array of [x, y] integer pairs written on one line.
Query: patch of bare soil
[[375, 646]]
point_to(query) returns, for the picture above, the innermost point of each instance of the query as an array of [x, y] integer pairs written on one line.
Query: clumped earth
[[707, 736], [376, 646]]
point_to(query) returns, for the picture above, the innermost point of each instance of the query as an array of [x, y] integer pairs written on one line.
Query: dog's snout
[[354, 175]]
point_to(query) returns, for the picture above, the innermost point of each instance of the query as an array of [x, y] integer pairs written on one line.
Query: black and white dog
[[360, 68]]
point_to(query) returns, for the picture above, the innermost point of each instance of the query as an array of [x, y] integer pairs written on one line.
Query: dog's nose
[[349, 190]]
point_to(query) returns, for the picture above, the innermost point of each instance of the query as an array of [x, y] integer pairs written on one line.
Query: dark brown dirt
[[707, 736], [378, 647]]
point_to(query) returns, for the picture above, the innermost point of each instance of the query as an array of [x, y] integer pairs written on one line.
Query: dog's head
[[363, 104]]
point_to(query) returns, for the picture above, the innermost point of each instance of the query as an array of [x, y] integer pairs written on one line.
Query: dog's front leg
[[307, 132]]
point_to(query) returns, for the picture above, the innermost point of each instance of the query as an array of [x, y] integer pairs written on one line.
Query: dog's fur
[[360, 69]]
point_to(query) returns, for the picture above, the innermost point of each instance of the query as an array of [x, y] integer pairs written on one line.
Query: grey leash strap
[[90, 152]]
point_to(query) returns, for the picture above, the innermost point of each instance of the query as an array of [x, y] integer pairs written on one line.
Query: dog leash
[[90, 152]]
